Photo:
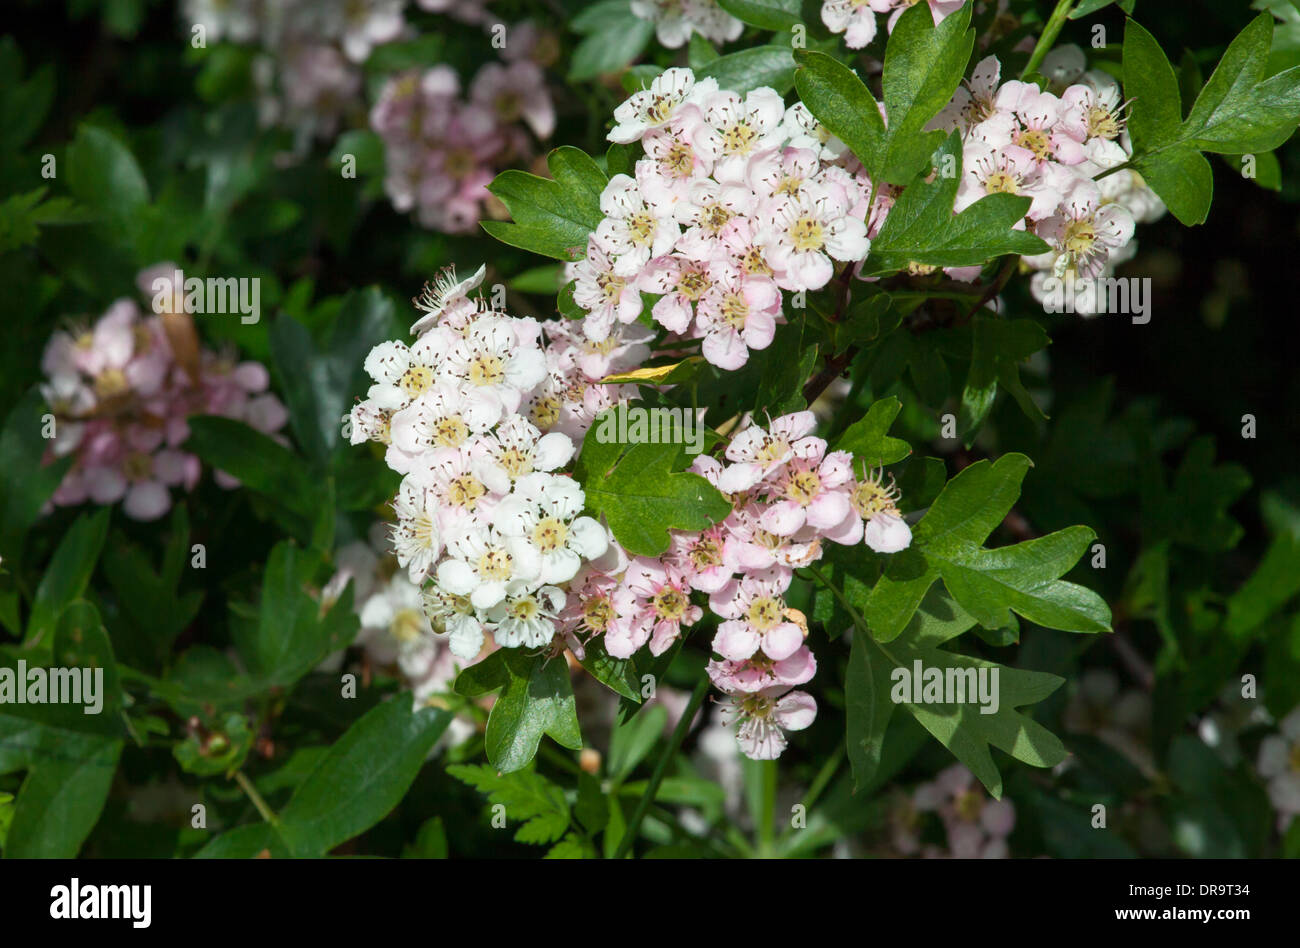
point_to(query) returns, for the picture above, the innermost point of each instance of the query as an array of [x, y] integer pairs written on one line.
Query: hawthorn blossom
[[656, 106], [651, 606], [737, 314], [856, 19], [676, 20], [542, 512], [756, 617], [764, 716]]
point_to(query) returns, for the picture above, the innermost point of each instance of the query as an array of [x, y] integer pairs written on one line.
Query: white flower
[[517, 448], [810, 228], [483, 564], [633, 230], [542, 512], [491, 358], [455, 616], [447, 299], [403, 374], [447, 416], [736, 128], [1279, 764], [854, 18], [604, 293], [393, 620], [417, 539], [656, 106], [526, 617]]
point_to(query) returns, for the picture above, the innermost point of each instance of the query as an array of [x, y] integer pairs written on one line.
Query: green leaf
[[638, 492], [961, 727], [291, 637], [365, 774], [28, 483], [1240, 110], [998, 347], [68, 572], [429, 843], [527, 797], [103, 174], [263, 465], [62, 797], [23, 215], [613, 37], [749, 69], [245, 842], [921, 227], [867, 438], [70, 753], [924, 64], [552, 217], [536, 698], [764, 14], [617, 674], [633, 739], [319, 386], [989, 584]]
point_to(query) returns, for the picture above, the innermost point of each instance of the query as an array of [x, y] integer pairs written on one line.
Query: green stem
[[247, 786], [767, 829], [661, 767], [1050, 32]]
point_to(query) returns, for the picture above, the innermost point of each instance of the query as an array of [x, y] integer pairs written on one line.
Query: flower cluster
[[736, 199], [308, 72], [976, 827], [856, 19], [1061, 151], [442, 148], [482, 510], [481, 414], [676, 20], [120, 391]]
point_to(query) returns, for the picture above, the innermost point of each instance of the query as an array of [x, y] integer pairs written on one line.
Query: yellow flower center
[[465, 490], [670, 603], [1000, 182], [110, 383], [487, 369], [549, 534], [137, 467], [803, 487], [739, 139], [545, 412], [450, 432], [495, 565], [596, 613], [735, 311], [406, 626], [764, 613], [515, 462], [806, 234], [1037, 141], [1080, 236], [416, 380]]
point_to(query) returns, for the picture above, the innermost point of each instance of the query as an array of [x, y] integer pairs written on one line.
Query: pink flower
[[759, 672], [755, 611], [738, 313], [651, 605], [764, 717], [810, 490], [756, 452]]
